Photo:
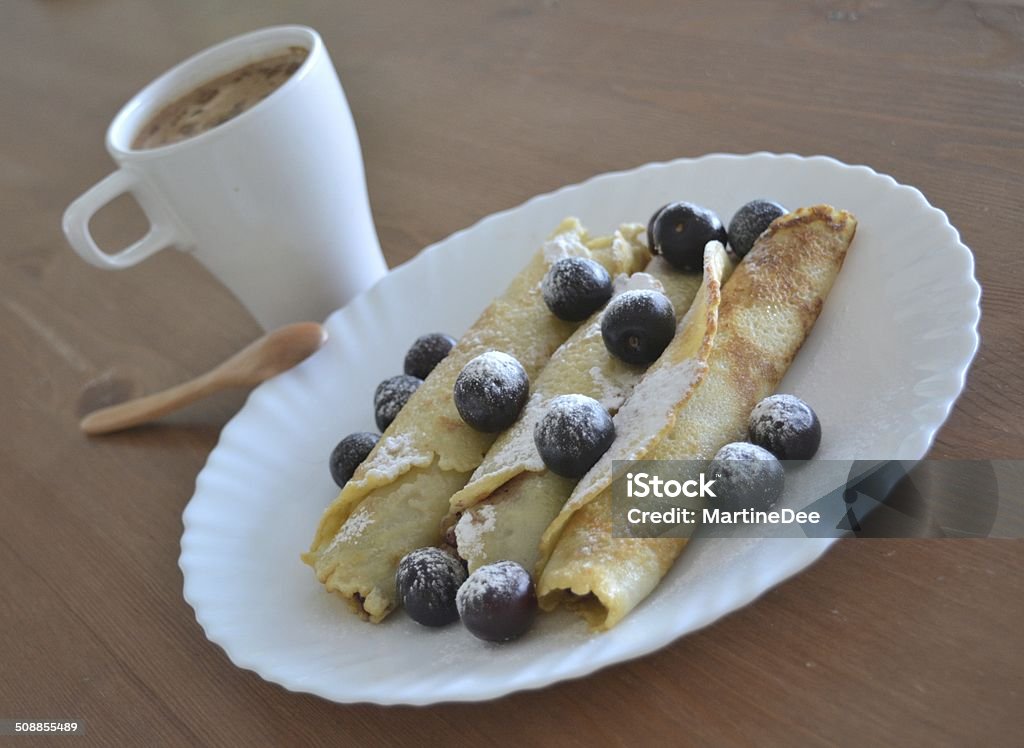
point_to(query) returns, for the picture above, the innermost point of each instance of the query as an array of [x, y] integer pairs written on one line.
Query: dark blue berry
[[498, 602], [491, 390], [428, 580], [681, 231], [786, 426], [391, 396], [349, 454], [650, 226], [638, 325], [746, 477], [572, 434], [576, 287], [426, 353], [750, 222]]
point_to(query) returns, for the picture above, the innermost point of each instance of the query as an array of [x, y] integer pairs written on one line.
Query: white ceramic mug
[[273, 202]]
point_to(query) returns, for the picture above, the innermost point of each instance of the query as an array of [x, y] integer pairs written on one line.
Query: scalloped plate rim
[[923, 437]]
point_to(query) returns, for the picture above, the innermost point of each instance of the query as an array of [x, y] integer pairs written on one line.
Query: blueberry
[[498, 602], [426, 353], [746, 477], [576, 287], [638, 325], [491, 390], [428, 580], [650, 226], [349, 454], [681, 231], [750, 222], [786, 426], [572, 434], [391, 396]]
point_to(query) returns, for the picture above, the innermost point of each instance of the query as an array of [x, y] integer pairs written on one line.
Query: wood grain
[[463, 109]]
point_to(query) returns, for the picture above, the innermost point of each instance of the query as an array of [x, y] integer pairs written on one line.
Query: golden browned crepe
[[512, 497], [397, 498], [768, 307]]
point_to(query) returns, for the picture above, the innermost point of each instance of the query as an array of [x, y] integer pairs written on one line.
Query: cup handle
[[161, 232]]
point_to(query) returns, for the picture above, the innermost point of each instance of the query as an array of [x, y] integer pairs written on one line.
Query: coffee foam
[[218, 100]]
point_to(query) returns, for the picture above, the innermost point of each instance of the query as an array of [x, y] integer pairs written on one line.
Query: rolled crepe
[[397, 498], [768, 307], [512, 498]]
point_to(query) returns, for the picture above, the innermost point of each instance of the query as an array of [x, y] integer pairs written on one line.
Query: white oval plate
[[882, 367]]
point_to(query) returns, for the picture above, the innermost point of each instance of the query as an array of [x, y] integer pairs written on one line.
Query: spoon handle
[[145, 409]]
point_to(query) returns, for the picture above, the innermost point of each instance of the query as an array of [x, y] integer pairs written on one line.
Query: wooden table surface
[[464, 109]]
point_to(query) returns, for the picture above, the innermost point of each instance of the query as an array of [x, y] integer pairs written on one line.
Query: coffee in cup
[[215, 102]]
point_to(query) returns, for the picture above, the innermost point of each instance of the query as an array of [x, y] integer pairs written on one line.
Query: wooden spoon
[[271, 354]]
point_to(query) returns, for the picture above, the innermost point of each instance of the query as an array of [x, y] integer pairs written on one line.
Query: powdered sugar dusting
[[393, 453], [786, 416], [575, 286], [501, 579], [430, 570], [519, 452], [562, 246], [572, 424], [493, 373], [640, 298], [610, 391], [643, 416], [395, 445], [655, 400], [636, 282], [352, 529], [391, 396], [743, 452], [592, 330], [491, 391], [471, 529], [748, 475]]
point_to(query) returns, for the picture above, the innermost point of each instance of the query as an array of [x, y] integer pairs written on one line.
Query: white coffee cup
[[273, 202]]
